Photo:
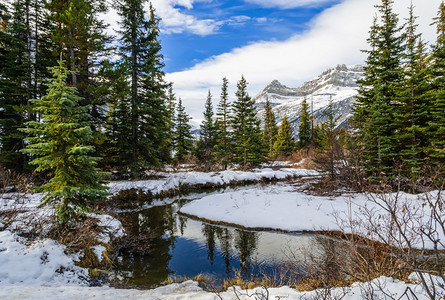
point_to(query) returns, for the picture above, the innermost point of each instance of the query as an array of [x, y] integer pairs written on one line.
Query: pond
[[165, 244]]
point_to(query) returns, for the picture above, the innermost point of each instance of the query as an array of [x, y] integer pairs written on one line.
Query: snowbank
[[189, 290], [39, 263], [280, 207], [174, 180]]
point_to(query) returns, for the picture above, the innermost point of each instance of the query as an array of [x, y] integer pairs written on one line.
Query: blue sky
[[292, 41], [240, 24]]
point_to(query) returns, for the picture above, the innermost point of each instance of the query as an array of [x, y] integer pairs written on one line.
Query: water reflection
[[162, 243]]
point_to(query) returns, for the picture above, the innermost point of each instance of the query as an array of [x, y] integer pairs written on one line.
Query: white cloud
[[286, 4], [336, 36], [173, 20]]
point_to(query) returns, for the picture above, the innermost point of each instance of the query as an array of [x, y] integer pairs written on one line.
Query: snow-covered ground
[[33, 271], [281, 207], [384, 288], [43, 270], [168, 181], [174, 180]]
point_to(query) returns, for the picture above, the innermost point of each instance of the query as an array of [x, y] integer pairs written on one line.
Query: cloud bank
[[285, 4], [336, 36]]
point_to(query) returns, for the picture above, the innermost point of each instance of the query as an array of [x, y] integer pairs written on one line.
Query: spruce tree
[[304, 129], [412, 116], [270, 129], [183, 136], [380, 95], [223, 142], [142, 113], [79, 33], [247, 140], [15, 85], [284, 144], [171, 120], [436, 124], [206, 143], [117, 115], [330, 149], [59, 143]]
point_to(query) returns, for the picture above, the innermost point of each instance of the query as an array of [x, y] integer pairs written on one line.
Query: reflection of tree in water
[[225, 238], [246, 243], [182, 224], [147, 253], [209, 233]]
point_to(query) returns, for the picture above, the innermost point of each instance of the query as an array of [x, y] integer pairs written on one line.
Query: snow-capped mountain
[[338, 83]]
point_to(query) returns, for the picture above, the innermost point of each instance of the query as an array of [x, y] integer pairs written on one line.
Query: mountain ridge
[[338, 84]]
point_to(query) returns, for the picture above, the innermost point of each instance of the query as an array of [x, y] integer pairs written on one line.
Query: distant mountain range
[[338, 83]]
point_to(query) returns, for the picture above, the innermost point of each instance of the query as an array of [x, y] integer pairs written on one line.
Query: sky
[[292, 41]]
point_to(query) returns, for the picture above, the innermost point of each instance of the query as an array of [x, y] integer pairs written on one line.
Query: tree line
[[119, 79], [399, 114], [75, 101]]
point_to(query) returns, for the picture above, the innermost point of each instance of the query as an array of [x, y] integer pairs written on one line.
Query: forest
[[82, 110]]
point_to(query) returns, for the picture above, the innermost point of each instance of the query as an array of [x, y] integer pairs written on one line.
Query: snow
[[98, 250], [43, 270], [174, 180], [281, 207], [112, 227], [39, 263], [383, 287]]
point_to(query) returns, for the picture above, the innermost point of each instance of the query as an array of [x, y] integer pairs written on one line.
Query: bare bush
[[410, 229]]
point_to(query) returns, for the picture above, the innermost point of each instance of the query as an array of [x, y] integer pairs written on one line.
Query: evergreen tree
[[15, 86], [60, 143], [117, 115], [284, 144], [412, 116], [304, 129], [142, 113], [330, 149], [25, 56], [247, 139], [206, 142], [183, 136], [270, 129], [379, 94], [223, 141], [436, 124], [79, 32], [170, 132]]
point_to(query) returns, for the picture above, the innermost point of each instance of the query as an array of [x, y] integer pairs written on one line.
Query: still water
[[165, 244]]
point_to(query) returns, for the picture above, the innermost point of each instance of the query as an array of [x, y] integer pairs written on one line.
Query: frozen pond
[[165, 244]]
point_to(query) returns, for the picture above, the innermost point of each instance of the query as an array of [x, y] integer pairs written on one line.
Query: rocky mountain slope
[[338, 83]]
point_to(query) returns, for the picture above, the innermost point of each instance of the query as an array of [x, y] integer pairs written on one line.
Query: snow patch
[[281, 207], [36, 263]]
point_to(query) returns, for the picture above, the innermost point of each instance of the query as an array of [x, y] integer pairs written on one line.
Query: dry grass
[[11, 181], [203, 281], [353, 259]]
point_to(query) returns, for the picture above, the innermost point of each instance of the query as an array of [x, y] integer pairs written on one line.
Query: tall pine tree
[[304, 129], [15, 84], [223, 141], [436, 125], [183, 136], [143, 120], [59, 143], [206, 143], [330, 148], [412, 116], [284, 144], [270, 129], [379, 94], [247, 139], [171, 120]]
